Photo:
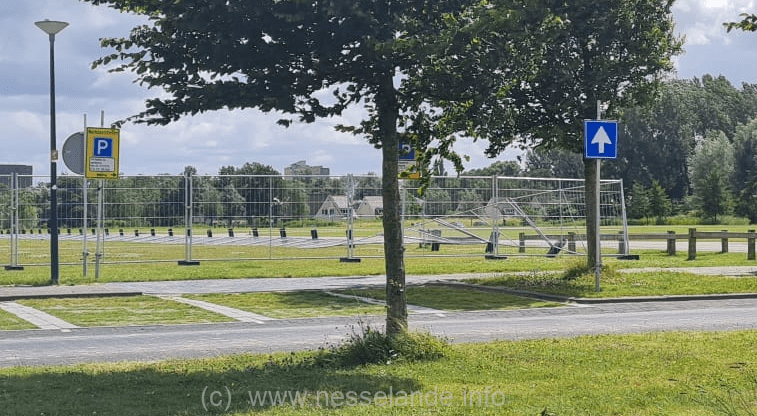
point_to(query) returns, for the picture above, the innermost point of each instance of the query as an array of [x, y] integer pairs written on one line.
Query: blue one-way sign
[[600, 139]]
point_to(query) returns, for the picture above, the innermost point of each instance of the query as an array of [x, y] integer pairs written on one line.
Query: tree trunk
[[396, 301], [590, 180]]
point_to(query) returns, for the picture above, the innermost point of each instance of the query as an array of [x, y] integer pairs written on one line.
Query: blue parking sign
[[103, 147]]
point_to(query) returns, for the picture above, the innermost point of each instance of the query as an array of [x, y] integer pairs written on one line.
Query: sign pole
[[600, 142], [85, 221], [598, 259]]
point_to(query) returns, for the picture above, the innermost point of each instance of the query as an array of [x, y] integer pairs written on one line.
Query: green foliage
[[745, 170], [367, 346], [648, 202], [554, 163], [664, 131], [637, 202], [748, 23], [498, 168], [712, 181]]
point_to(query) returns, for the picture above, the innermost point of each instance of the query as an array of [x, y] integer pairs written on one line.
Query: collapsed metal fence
[[194, 218]]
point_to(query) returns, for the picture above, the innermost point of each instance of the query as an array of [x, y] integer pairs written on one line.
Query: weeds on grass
[[366, 346], [370, 346], [729, 400]]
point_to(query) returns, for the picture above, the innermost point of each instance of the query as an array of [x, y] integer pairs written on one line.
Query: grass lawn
[[646, 374], [456, 298], [119, 311], [292, 304]]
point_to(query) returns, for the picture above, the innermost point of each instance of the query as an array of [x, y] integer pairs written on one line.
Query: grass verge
[[120, 311], [646, 374], [292, 304], [579, 283], [8, 321], [456, 298]]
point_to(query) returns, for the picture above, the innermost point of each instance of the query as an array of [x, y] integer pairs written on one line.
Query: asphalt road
[[78, 345]]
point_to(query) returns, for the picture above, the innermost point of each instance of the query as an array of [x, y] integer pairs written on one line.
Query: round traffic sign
[[73, 153]]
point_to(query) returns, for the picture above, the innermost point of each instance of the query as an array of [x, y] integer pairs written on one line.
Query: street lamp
[[51, 28]]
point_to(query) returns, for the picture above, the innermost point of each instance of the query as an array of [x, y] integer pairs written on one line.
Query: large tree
[[745, 171], [278, 55], [711, 168], [615, 52]]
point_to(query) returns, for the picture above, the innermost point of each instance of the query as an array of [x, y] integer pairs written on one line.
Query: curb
[[64, 295]]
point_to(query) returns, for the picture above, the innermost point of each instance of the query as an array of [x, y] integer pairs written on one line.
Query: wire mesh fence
[[236, 217]]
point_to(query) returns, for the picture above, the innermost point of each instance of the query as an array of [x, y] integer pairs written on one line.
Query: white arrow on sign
[[601, 139]]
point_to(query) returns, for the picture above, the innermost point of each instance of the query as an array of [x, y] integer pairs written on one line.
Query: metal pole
[[100, 236], [85, 252], [14, 220], [54, 271], [190, 220], [598, 261], [100, 209], [98, 252]]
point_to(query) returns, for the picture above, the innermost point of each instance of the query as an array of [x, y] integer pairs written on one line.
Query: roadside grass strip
[[674, 373], [447, 298], [9, 321], [123, 311], [410, 308], [36, 317], [236, 314], [286, 305], [616, 284]]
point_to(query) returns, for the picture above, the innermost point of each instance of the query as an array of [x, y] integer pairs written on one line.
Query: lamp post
[[51, 28]]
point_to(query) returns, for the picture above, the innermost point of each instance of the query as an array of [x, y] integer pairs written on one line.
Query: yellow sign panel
[[101, 153], [404, 166]]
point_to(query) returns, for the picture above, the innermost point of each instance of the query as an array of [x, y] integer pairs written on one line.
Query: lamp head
[[51, 27]]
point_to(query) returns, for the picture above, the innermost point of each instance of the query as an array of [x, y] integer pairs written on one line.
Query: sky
[[224, 138]]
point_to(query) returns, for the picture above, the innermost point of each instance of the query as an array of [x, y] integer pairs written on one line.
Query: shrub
[[369, 346]]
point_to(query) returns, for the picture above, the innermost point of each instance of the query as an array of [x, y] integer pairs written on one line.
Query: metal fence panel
[[222, 217]]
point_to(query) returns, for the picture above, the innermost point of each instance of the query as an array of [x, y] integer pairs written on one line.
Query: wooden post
[[522, 243], [571, 241], [750, 245], [724, 243], [692, 243], [671, 243]]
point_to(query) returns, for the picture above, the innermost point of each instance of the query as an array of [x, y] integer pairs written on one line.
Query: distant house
[[335, 207], [371, 207], [301, 168], [24, 173]]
